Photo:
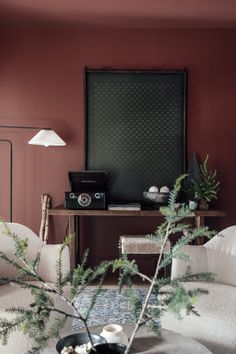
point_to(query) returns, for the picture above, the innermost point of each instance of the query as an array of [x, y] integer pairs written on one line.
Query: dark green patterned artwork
[[135, 129]]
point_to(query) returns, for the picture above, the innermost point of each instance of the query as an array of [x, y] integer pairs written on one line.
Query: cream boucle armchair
[[216, 326], [12, 295]]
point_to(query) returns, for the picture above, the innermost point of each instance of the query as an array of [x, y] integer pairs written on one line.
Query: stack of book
[[126, 206]]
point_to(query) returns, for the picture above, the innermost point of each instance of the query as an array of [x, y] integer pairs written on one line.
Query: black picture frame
[[135, 128]]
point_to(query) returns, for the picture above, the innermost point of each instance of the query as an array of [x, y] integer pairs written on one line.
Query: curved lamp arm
[[45, 137], [11, 171]]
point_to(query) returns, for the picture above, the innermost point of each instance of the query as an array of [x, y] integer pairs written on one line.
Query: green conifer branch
[[170, 294], [59, 274], [135, 302]]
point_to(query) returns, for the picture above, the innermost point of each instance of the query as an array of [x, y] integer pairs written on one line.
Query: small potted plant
[[206, 190]]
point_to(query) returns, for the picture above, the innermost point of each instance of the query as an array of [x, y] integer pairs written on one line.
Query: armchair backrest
[[221, 256], [35, 244]]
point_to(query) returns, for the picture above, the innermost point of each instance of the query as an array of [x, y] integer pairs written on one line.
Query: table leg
[[199, 222], [77, 239], [74, 246]]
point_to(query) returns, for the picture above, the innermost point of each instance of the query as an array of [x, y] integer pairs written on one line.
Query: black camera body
[[88, 190], [85, 200]]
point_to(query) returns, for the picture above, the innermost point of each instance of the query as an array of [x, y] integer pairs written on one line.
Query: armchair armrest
[[198, 262], [49, 257]]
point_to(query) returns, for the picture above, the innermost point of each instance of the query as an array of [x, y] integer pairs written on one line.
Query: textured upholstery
[[140, 244], [7, 245], [215, 328], [12, 295], [49, 253], [198, 261], [47, 265], [221, 256]]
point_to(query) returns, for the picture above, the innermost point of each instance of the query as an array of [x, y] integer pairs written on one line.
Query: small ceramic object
[[164, 189], [156, 197], [77, 339], [114, 333], [203, 204], [192, 205], [153, 189]]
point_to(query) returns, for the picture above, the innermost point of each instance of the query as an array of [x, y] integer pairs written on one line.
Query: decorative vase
[[203, 204], [110, 348], [114, 333], [192, 204]]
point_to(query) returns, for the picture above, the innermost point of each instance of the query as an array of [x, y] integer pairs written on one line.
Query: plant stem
[[144, 277], [145, 304], [61, 296]]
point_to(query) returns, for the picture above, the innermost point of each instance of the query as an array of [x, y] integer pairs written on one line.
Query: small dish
[[78, 339], [156, 197]]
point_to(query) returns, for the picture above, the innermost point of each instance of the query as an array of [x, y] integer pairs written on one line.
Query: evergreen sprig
[[23, 272], [34, 321], [163, 294], [61, 279], [175, 192], [208, 188], [135, 302], [175, 297]]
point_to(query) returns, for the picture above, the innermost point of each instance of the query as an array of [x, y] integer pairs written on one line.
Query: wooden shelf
[[61, 211], [74, 217]]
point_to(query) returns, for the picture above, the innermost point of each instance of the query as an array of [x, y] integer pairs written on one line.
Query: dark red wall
[[41, 83]]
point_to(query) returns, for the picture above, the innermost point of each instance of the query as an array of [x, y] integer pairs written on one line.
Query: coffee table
[[147, 342]]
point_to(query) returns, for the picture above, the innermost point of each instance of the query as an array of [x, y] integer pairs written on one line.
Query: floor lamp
[[11, 151], [45, 137]]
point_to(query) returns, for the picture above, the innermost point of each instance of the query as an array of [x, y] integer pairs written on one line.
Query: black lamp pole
[[11, 159], [11, 166], [55, 141], [23, 127]]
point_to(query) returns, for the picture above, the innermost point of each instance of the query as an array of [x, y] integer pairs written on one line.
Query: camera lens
[[84, 200]]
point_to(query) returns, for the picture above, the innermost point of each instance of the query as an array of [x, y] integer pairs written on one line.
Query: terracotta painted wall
[[41, 84]]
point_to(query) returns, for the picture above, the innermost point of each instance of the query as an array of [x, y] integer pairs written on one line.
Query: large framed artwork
[[135, 129]]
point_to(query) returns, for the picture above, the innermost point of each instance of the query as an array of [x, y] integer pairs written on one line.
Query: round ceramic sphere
[[153, 189], [164, 189]]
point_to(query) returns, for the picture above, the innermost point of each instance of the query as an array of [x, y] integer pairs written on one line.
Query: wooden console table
[[75, 215]]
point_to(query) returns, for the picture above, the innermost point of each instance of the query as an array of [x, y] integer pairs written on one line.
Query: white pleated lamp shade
[[47, 137]]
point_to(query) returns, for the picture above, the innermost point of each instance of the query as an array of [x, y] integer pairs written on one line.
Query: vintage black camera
[[85, 200], [88, 190]]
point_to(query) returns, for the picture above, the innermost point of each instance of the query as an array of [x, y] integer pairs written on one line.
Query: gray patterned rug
[[110, 307]]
